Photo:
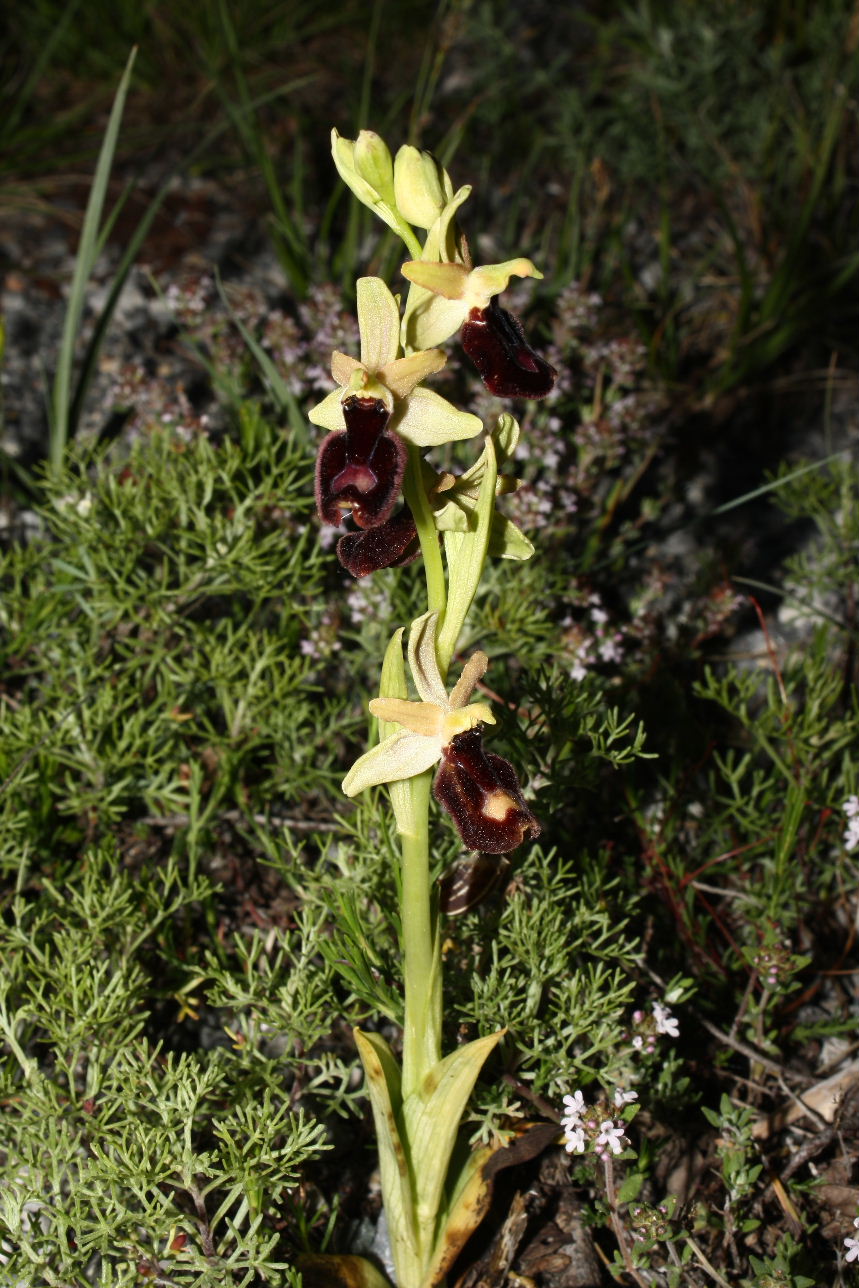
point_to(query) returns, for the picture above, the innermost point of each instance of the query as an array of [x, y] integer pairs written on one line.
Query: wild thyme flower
[[851, 810], [574, 1139], [575, 1107], [665, 1021], [609, 1139], [851, 1243], [622, 1097], [647, 1028], [583, 1125], [479, 790]]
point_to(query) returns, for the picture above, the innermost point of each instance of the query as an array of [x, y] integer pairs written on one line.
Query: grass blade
[[84, 263]]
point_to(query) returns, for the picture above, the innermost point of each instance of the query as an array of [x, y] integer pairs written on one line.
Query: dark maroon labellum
[[466, 883], [481, 793], [507, 365], [391, 544], [360, 467]]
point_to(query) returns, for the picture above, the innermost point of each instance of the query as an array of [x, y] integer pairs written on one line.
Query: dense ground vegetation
[[193, 916]]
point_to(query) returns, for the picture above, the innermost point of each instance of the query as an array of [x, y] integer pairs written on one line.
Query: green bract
[[455, 503]]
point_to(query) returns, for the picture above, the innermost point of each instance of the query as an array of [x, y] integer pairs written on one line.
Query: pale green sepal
[[432, 320], [403, 755], [431, 1121], [428, 420], [393, 685], [383, 1084], [468, 1204], [329, 412], [506, 541], [374, 164], [466, 554], [378, 323], [423, 660]]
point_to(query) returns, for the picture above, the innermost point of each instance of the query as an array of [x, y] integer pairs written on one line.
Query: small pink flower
[[622, 1097], [574, 1140], [575, 1107], [665, 1021], [610, 1137]]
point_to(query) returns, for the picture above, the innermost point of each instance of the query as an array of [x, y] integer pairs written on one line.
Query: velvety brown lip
[[507, 365], [361, 467]]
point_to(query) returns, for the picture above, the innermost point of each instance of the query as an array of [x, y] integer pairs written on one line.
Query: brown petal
[[481, 793], [466, 883], [391, 544]]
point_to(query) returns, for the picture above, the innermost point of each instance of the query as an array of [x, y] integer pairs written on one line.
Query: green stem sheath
[[421, 965], [422, 978], [413, 490]]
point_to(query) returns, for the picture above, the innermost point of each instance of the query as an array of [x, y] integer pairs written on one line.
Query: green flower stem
[[421, 964], [413, 490], [414, 247], [422, 977]]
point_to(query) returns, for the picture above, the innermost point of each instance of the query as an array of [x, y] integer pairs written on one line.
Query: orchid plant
[[372, 474]]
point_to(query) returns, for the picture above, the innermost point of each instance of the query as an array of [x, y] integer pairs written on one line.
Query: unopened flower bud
[[374, 164], [422, 187]]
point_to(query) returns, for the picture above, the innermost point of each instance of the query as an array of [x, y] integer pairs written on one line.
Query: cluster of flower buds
[[595, 1126], [650, 1223], [775, 964], [380, 405]]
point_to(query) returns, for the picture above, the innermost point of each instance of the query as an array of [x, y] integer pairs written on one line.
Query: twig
[[751, 1053], [617, 1223], [711, 1270]]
